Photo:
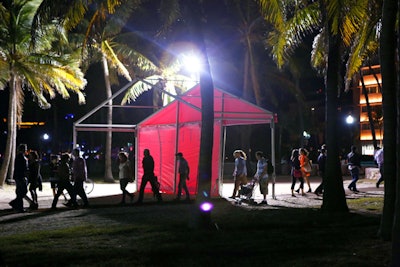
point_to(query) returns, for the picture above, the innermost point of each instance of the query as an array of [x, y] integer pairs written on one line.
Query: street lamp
[[349, 119]]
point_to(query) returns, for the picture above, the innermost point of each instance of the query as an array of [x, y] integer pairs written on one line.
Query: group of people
[[302, 168], [150, 177], [262, 174], [27, 172]]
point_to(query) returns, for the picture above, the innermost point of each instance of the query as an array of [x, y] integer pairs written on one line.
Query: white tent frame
[[79, 126]]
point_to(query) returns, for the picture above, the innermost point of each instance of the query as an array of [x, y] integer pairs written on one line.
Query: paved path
[[110, 194]]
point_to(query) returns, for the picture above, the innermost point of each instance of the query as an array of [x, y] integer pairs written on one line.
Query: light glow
[[206, 206], [349, 119]]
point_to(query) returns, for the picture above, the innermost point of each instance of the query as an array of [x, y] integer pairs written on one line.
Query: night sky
[[226, 60]]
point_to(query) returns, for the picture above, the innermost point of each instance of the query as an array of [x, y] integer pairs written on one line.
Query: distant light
[[312, 109], [349, 119], [206, 206], [192, 64], [306, 135], [45, 136], [69, 116]]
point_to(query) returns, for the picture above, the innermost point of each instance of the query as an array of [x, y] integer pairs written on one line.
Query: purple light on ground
[[206, 206]]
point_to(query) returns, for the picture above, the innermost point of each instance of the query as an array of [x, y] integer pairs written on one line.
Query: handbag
[[307, 167], [297, 173]]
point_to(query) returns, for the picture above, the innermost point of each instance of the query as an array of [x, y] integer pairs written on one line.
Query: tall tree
[[34, 65], [389, 69], [333, 24]]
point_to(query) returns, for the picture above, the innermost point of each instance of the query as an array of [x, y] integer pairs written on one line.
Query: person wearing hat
[[183, 170]]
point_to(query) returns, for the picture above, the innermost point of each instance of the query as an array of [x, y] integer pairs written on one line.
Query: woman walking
[[125, 176], [296, 172]]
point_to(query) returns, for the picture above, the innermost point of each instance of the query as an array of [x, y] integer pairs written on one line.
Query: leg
[[155, 189], [186, 188], [80, 191], [178, 196], [235, 186], [122, 186], [141, 190]]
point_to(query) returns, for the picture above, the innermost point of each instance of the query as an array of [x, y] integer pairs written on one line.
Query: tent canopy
[[177, 128]]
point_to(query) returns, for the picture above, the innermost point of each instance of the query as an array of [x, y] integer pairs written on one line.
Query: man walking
[[183, 170], [148, 176], [79, 175], [354, 163]]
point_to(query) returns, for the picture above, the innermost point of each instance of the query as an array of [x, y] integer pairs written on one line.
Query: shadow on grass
[[163, 235]]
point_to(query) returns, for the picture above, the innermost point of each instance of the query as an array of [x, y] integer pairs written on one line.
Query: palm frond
[[113, 59], [139, 88]]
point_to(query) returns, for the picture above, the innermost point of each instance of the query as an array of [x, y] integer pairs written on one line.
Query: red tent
[[177, 128]]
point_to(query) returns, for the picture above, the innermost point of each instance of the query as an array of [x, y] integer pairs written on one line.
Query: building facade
[[371, 78]]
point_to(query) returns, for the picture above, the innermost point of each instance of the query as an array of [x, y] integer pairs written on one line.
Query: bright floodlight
[[349, 119], [206, 206], [46, 136], [192, 64]]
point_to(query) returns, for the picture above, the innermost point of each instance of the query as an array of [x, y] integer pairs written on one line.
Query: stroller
[[246, 192]]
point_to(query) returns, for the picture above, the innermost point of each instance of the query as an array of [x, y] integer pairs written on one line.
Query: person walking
[[305, 167], [378, 156], [262, 175], [54, 161], [354, 163], [183, 170], [34, 178], [20, 178], [79, 175], [321, 170], [148, 176], [125, 176], [63, 174], [240, 171], [296, 172]]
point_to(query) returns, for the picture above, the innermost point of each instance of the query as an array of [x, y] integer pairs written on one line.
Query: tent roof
[[229, 109]]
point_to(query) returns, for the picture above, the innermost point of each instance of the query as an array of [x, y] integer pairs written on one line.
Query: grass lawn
[[165, 235]]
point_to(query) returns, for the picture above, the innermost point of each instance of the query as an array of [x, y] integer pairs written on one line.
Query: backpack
[[270, 167]]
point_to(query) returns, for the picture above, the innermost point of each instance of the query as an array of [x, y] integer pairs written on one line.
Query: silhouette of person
[[20, 177], [34, 177], [63, 182], [148, 176], [354, 163], [378, 156], [125, 175], [183, 170], [321, 170], [296, 172], [79, 175], [54, 161]]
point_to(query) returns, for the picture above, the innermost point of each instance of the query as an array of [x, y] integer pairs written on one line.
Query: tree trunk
[[11, 128], [388, 71], [108, 176], [396, 221], [371, 120], [334, 199], [203, 218]]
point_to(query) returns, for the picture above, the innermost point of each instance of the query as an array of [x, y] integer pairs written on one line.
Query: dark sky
[[226, 60]]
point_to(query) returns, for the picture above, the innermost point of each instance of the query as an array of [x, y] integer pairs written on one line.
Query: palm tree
[[34, 65], [101, 42], [334, 24]]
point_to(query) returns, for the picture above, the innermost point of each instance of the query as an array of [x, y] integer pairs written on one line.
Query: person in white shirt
[[378, 156]]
